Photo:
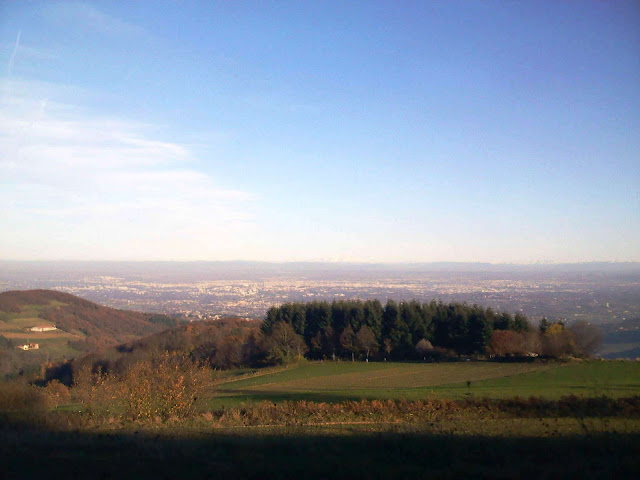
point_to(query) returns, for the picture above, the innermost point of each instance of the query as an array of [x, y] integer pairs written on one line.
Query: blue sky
[[339, 131]]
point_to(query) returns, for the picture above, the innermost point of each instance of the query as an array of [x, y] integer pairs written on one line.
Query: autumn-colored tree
[[424, 348], [557, 341], [229, 352], [532, 342], [366, 341], [506, 342], [57, 393], [251, 348], [163, 387]]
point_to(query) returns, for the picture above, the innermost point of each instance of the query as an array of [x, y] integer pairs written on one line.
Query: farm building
[[29, 346], [44, 328]]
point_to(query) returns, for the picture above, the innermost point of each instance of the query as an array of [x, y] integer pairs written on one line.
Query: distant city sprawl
[[595, 293]]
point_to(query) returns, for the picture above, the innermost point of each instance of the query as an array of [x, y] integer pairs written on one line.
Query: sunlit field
[[326, 381]]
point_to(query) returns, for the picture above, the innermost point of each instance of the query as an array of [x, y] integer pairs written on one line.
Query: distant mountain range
[[13, 270]]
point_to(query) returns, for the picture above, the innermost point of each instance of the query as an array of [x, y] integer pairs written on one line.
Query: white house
[[44, 328]]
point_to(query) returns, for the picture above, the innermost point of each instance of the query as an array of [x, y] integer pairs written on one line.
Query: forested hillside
[[219, 344]]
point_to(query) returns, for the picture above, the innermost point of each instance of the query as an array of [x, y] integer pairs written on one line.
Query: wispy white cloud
[[46, 136], [106, 188]]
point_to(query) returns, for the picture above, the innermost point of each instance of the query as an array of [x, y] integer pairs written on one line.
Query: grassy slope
[[353, 381], [15, 326], [613, 378]]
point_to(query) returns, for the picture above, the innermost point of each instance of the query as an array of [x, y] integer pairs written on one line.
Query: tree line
[[367, 328], [410, 330], [347, 329]]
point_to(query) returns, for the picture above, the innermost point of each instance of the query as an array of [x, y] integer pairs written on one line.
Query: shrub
[[506, 342], [57, 393], [19, 396], [423, 347], [164, 387]]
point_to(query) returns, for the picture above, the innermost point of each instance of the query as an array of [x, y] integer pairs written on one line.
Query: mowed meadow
[[340, 381]]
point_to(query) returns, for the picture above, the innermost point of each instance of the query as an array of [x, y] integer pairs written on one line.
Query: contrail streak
[[13, 55]]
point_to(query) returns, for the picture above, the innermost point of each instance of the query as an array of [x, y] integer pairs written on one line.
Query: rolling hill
[[80, 326]]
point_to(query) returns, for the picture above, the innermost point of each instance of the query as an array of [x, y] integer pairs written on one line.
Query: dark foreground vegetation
[[517, 438], [155, 419], [322, 454]]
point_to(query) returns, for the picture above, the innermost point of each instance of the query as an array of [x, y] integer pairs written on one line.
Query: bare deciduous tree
[[366, 341], [283, 344], [587, 338]]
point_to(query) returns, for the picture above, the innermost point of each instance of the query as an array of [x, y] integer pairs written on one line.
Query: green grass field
[[334, 382], [20, 322], [29, 311]]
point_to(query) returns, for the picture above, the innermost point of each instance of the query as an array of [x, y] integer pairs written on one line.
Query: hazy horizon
[[598, 292], [369, 132], [311, 265]]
